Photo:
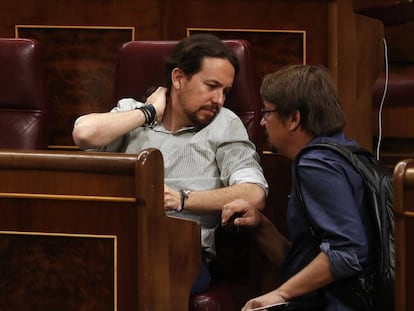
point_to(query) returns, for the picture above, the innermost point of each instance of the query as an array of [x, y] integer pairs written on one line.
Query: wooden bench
[[403, 184], [87, 231]]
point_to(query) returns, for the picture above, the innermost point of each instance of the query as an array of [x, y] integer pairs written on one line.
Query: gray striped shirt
[[216, 156]]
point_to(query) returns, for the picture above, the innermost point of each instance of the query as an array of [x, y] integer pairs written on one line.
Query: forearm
[[214, 200], [217, 198], [100, 129], [273, 243], [315, 275]]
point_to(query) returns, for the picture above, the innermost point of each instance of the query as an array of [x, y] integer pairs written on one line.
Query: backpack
[[379, 193]]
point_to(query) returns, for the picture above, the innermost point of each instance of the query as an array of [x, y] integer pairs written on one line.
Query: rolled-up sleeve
[[237, 157]]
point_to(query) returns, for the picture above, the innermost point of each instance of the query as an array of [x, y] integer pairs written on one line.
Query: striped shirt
[[216, 156]]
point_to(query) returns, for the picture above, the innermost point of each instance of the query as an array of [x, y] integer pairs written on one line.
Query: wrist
[[184, 195], [150, 114], [282, 294]]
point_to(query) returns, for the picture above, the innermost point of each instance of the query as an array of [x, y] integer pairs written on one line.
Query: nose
[[263, 122], [219, 97]]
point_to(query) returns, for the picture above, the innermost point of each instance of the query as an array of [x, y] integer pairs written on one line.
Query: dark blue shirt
[[333, 193]]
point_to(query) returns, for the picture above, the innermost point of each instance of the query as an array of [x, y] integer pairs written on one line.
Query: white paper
[[269, 306]]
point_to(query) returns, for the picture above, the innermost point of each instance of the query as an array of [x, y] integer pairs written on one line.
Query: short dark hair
[[309, 89], [189, 53]]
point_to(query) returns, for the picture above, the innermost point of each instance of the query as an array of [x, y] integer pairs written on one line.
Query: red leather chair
[[140, 65], [23, 105]]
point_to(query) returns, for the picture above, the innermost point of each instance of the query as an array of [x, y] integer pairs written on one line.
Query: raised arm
[[100, 129]]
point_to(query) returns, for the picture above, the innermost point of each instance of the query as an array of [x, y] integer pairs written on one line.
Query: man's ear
[[294, 120], [177, 76]]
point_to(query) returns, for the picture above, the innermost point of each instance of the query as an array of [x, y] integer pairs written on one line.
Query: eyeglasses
[[266, 113]]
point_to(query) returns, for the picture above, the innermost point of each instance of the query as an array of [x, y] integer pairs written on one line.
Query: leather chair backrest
[[140, 65], [22, 95]]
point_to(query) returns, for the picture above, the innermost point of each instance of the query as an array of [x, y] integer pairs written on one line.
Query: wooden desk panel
[[88, 231], [403, 184]]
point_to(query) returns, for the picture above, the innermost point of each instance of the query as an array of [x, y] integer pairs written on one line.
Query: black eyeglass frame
[[265, 113]]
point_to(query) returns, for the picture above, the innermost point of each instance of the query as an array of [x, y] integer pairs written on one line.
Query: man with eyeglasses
[[330, 230]]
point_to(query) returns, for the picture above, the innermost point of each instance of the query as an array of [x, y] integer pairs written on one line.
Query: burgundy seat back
[[22, 95], [141, 65]]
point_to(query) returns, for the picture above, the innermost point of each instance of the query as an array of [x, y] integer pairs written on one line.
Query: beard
[[198, 118], [202, 122]]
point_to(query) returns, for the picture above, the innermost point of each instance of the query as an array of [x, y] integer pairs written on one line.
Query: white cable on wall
[[382, 101]]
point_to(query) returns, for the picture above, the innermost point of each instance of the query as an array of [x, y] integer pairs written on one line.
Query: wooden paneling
[[349, 44], [400, 42], [272, 49], [65, 205], [61, 272], [310, 16], [143, 15]]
